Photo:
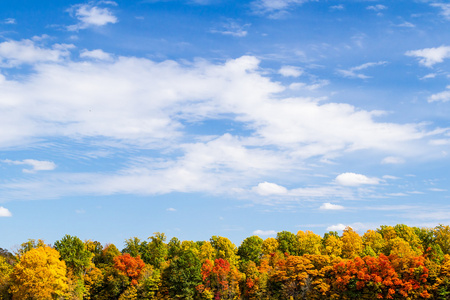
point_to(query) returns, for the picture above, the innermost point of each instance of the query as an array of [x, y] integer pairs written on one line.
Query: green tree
[[287, 242], [73, 251], [250, 249], [183, 275], [155, 251]]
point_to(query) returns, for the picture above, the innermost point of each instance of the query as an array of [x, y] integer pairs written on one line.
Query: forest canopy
[[391, 262]]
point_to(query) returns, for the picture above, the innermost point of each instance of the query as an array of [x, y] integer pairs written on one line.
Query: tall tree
[[250, 249], [73, 251], [39, 275]]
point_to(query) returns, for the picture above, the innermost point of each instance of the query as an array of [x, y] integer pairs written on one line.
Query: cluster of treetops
[[392, 262]]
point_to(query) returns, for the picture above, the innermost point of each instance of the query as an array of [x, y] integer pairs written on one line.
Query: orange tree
[[383, 277], [129, 266], [290, 277], [220, 280]]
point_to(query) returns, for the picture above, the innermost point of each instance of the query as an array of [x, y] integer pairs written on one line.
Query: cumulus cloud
[[36, 165], [353, 179], [90, 15], [268, 188], [430, 56], [264, 232], [290, 71], [337, 227], [329, 206], [352, 72], [139, 103], [171, 209], [14, 53], [4, 212]]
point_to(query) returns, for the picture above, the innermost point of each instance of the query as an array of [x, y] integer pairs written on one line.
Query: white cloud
[[337, 227], [437, 190], [392, 160], [352, 179], [36, 165], [9, 21], [13, 53], [232, 28], [390, 177], [4, 212], [95, 54], [290, 71], [377, 7], [430, 56], [90, 16], [445, 9], [442, 97], [268, 188], [171, 209], [275, 8], [351, 73], [428, 76], [407, 25], [137, 102], [329, 206], [264, 232], [337, 7]]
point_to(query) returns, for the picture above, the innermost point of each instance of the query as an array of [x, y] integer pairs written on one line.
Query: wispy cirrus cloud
[[353, 72], [275, 8], [445, 9], [231, 28]]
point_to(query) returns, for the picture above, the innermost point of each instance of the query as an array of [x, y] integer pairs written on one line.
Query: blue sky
[[213, 117]]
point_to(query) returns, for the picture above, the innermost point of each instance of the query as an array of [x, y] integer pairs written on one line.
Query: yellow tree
[[309, 242], [269, 245], [5, 273], [352, 244], [333, 246], [373, 243], [39, 275]]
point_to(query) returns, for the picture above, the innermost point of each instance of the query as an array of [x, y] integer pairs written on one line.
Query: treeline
[[397, 262]]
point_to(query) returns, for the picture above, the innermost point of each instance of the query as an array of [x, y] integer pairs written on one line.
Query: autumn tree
[[269, 245], [5, 273], [129, 266], [309, 242], [352, 244], [225, 249], [39, 275]]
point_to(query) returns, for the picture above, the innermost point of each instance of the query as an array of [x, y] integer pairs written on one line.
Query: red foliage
[[129, 266]]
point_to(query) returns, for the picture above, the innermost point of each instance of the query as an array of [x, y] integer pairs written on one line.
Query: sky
[[197, 118]]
